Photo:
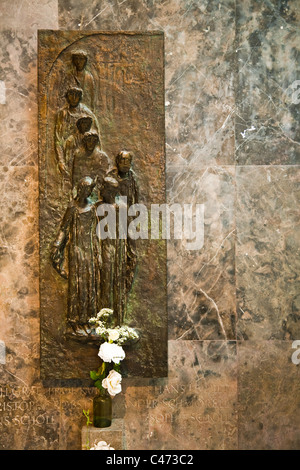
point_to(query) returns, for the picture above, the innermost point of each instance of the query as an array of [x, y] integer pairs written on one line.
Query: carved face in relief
[[73, 96], [79, 60], [123, 161], [90, 140], [84, 124]]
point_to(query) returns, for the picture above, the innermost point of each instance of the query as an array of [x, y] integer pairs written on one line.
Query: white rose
[[102, 445], [113, 383], [111, 352], [113, 335]]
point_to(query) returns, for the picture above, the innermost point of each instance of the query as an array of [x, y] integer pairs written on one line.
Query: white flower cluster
[[119, 335], [110, 352], [102, 316], [102, 445]]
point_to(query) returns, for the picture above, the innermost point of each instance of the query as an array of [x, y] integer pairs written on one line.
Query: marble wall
[[232, 144]]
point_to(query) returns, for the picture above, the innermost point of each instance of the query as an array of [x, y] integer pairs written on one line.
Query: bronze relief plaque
[[101, 163]]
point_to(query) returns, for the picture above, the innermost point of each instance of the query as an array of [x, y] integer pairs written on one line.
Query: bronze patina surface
[[101, 138]]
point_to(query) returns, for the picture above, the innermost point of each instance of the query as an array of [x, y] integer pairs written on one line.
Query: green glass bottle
[[102, 410]]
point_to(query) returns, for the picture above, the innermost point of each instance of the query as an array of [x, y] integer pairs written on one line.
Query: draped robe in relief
[[120, 254], [77, 239]]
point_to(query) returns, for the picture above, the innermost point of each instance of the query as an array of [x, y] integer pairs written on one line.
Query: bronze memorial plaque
[[101, 170]]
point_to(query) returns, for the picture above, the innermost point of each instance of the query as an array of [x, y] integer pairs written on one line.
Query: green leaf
[[102, 369], [98, 384], [94, 375]]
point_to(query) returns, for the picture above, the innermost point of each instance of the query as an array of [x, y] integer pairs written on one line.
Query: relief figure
[[90, 160], [79, 76], [76, 256], [122, 251], [74, 141], [65, 125]]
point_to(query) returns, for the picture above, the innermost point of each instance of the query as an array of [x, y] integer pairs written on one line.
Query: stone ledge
[[114, 435]]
